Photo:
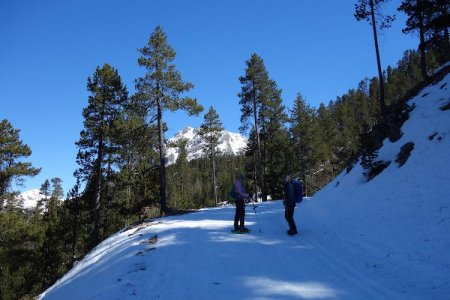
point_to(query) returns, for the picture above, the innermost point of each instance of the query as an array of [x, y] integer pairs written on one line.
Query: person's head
[[287, 178], [240, 177]]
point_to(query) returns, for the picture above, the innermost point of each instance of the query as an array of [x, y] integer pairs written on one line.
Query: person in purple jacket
[[289, 204], [241, 197]]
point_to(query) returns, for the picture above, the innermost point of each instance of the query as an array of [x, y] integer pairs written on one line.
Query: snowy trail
[[322, 262], [196, 257]]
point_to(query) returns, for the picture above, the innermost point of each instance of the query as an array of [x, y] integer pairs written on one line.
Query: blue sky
[[49, 48]]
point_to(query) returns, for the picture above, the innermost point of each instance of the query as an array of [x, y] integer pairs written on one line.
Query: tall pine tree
[[369, 10], [160, 90], [12, 169], [255, 90], [107, 101], [210, 131]]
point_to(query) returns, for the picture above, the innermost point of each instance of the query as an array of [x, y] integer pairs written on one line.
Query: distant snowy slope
[[30, 198], [229, 143], [383, 239]]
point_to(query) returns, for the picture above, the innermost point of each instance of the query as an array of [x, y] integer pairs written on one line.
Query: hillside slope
[[383, 239]]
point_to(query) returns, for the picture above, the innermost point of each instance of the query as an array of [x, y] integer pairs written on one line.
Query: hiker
[[289, 204], [241, 197]]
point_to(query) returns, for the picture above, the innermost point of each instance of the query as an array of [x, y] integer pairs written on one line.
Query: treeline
[[122, 172]]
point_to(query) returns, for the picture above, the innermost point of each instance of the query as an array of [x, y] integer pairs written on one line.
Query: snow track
[[196, 257]]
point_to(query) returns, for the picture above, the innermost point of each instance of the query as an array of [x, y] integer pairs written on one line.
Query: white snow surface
[[30, 198], [384, 239], [229, 143]]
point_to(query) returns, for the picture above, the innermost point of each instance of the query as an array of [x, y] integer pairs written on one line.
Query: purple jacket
[[240, 190]]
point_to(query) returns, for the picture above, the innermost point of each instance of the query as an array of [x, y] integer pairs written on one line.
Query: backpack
[[231, 194], [298, 190]]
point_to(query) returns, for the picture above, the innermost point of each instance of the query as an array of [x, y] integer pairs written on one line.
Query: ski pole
[[256, 215]]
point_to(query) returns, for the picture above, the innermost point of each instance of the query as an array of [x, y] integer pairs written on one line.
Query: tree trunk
[[380, 72], [260, 166], [98, 185], [214, 177], [162, 164], [423, 64], [447, 44]]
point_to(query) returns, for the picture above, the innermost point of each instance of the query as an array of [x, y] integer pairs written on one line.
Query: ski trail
[[316, 262]]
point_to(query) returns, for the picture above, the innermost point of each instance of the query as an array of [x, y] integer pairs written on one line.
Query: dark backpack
[[231, 194], [298, 190]]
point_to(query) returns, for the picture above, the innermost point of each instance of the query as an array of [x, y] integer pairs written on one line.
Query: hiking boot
[[292, 231], [243, 229]]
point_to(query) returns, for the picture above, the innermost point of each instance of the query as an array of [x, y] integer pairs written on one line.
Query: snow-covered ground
[[384, 239]]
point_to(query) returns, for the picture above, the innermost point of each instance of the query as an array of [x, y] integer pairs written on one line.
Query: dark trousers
[[240, 214], [289, 215]]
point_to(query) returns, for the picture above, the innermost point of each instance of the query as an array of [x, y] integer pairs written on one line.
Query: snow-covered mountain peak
[[187, 133], [229, 143], [30, 198]]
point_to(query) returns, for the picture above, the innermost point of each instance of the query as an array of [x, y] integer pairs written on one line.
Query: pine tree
[[21, 241], [440, 22], [255, 90], [180, 192], [12, 169], [428, 18], [53, 247], [136, 164], [160, 90], [107, 101], [369, 10], [418, 12], [275, 140], [302, 134], [210, 131]]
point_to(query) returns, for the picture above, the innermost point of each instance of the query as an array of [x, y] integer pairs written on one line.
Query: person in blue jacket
[[289, 204]]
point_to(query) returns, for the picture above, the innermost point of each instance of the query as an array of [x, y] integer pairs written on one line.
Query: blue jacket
[[289, 194]]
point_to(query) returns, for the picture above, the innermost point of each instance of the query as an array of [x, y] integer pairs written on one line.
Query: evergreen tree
[[323, 139], [439, 36], [21, 241], [12, 169], [107, 101], [210, 131], [45, 188], [418, 12], [180, 192], [160, 90], [72, 222], [428, 18], [53, 247], [303, 132], [255, 90], [369, 10], [275, 140], [45, 192], [137, 164]]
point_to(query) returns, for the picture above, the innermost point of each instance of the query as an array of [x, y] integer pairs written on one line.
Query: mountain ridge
[[229, 143]]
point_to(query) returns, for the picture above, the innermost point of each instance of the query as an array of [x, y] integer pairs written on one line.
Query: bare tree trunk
[[423, 64], [162, 164], [98, 185], [214, 178], [380, 72], [260, 166]]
